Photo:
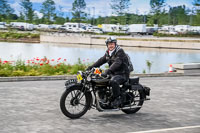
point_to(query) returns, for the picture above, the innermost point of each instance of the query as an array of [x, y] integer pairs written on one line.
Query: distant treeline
[[160, 13]]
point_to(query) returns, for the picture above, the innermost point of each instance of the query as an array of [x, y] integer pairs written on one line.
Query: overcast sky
[[99, 7]]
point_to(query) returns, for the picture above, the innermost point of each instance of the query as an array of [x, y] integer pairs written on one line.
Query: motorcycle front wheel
[[74, 103]]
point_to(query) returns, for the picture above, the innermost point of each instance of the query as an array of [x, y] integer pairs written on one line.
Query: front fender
[[72, 85]]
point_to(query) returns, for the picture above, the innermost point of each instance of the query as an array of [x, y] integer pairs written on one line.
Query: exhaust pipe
[[131, 107], [97, 102]]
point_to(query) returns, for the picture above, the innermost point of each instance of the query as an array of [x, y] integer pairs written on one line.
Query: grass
[[39, 67], [13, 35], [189, 34]]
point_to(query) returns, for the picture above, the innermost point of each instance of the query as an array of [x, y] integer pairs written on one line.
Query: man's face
[[111, 46]]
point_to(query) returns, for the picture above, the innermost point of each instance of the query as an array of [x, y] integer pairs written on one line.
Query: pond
[[160, 58]]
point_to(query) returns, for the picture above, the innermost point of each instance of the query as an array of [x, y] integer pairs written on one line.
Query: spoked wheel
[[74, 103], [136, 102]]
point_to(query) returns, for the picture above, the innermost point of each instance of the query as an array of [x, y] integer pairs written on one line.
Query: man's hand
[[105, 73]]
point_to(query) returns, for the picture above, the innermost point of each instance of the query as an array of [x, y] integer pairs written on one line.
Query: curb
[[65, 77], [35, 78]]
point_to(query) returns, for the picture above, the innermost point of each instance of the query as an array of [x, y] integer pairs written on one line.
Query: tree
[[196, 4], [149, 64], [67, 19], [5, 10], [21, 17], [120, 7], [59, 17], [48, 10], [28, 11], [178, 15], [59, 20], [78, 7], [99, 20], [156, 10]]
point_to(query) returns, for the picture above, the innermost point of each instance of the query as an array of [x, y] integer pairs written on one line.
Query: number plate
[[79, 77]]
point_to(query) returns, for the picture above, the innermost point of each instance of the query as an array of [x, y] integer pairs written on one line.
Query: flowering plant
[[40, 66]]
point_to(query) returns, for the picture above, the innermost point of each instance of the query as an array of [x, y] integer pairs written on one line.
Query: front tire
[[74, 103]]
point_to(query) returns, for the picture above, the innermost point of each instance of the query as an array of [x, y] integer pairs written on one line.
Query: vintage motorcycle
[[90, 90]]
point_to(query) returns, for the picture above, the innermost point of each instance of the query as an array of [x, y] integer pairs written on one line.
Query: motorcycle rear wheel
[[136, 105], [74, 103]]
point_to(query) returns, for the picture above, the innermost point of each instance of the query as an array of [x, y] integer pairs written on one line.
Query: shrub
[[5, 73], [36, 67], [18, 73], [32, 73], [14, 35]]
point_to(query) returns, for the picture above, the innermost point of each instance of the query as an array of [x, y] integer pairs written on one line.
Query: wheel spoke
[[72, 94], [135, 98], [82, 104], [81, 96], [75, 102]]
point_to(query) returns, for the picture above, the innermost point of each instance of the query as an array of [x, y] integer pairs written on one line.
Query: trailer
[[110, 28], [44, 27], [137, 29], [195, 29], [182, 28], [74, 27], [3, 26], [2, 23], [22, 26]]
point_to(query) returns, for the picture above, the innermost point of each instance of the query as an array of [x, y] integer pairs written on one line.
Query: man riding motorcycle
[[118, 68]]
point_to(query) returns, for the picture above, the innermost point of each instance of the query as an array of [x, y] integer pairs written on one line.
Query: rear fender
[[142, 89]]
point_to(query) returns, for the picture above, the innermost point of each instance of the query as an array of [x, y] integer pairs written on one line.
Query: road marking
[[167, 129]]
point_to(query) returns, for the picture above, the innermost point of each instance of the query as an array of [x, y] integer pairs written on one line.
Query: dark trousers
[[115, 81]]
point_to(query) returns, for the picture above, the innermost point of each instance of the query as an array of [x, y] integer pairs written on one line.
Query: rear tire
[[133, 110], [72, 99]]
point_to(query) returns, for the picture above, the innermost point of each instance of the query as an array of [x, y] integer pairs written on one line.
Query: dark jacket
[[117, 62]]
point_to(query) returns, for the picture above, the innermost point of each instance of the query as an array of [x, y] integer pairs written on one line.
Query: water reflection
[[161, 58]]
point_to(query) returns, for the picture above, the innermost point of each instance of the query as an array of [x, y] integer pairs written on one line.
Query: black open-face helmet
[[110, 40]]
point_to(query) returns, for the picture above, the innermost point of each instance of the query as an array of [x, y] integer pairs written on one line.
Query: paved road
[[33, 107]]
